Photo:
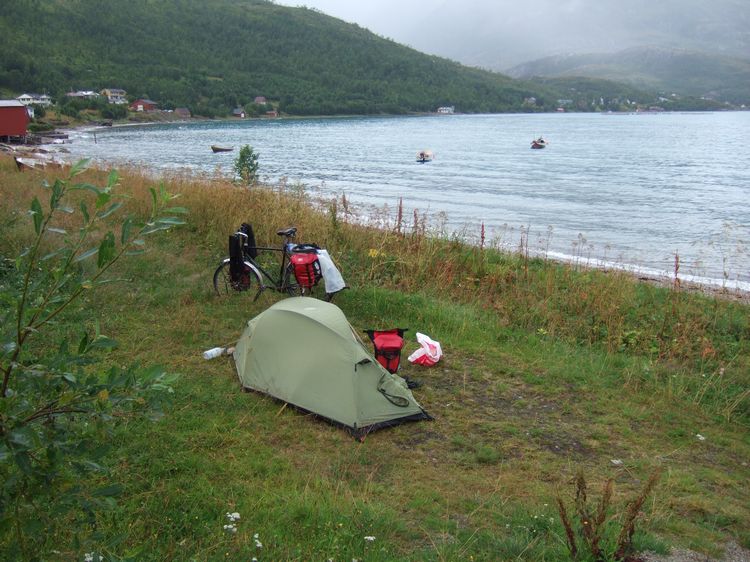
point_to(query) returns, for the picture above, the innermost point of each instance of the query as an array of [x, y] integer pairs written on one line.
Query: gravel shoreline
[[732, 553]]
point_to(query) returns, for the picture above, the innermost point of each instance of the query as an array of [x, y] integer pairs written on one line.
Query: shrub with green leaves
[[246, 165], [57, 407]]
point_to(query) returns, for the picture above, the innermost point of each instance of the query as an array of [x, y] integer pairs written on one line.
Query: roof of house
[[11, 103]]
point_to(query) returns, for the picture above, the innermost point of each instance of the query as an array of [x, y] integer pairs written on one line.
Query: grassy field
[[549, 371]]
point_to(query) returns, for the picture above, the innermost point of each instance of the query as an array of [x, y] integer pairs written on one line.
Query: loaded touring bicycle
[[299, 272]]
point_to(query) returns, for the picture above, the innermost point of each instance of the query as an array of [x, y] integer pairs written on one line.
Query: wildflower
[[374, 253], [616, 462], [258, 544], [233, 517], [700, 437], [369, 538], [231, 528]]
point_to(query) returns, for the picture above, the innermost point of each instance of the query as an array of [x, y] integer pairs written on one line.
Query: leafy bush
[[246, 165], [57, 409], [40, 127], [114, 111]]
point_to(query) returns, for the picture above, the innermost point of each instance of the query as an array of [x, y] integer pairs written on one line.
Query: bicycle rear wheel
[[289, 284], [293, 288], [225, 285]]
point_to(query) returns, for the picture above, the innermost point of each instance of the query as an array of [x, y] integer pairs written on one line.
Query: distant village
[[16, 114], [114, 96]]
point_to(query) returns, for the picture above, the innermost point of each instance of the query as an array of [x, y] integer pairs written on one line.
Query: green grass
[[538, 382]]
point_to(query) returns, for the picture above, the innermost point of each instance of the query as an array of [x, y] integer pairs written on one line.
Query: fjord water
[[625, 190]]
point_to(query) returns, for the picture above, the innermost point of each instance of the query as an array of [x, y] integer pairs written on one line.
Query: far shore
[[92, 125]]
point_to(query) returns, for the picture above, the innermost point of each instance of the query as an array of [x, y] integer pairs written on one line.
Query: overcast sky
[[500, 33]]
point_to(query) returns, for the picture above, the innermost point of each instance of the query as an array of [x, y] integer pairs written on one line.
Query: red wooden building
[[143, 105], [13, 118]]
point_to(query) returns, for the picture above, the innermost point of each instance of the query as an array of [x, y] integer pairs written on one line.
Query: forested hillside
[[213, 56]]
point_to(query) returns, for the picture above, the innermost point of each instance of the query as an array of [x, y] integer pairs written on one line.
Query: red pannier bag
[[388, 345], [306, 267]]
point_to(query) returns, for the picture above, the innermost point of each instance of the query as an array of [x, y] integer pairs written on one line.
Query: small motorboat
[[539, 143], [424, 156], [24, 164], [216, 148]]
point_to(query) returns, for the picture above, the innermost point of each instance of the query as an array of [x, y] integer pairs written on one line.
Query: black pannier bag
[[304, 260], [248, 242], [236, 258]]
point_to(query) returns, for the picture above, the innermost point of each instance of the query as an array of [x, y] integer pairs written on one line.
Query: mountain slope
[[666, 70], [503, 33], [215, 55]]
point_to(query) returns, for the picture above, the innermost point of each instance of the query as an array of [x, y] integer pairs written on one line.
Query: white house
[[446, 109], [35, 99], [85, 94]]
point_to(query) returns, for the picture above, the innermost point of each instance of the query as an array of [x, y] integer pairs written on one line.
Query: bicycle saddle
[[290, 232]]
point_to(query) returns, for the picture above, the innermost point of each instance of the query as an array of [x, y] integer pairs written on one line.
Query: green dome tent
[[304, 352]]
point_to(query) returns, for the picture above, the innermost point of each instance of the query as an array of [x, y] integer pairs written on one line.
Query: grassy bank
[[548, 371]]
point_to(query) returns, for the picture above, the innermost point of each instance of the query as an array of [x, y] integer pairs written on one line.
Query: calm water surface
[[631, 190]]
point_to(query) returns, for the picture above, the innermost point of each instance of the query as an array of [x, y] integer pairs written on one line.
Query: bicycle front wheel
[[225, 285]]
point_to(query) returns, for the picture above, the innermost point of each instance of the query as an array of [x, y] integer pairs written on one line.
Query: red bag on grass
[[388, 345]]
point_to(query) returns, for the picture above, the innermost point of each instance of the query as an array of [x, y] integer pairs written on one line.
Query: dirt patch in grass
[[419, 434], [565, 445], [491, 417]]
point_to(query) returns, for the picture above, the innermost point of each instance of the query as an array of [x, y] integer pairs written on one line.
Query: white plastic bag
[[428, 354], [332, 278]]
